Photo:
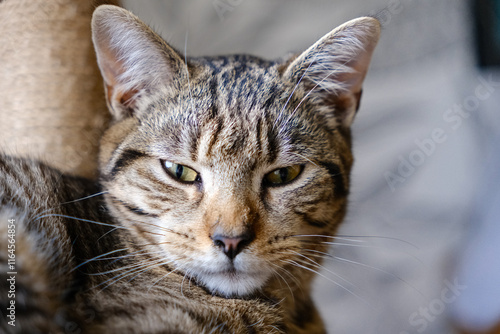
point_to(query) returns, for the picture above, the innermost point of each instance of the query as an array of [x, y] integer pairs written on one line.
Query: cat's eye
[[283, 175], [181, 172]]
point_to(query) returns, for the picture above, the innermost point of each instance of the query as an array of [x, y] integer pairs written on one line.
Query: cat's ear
[[132, 58], [333, 69]]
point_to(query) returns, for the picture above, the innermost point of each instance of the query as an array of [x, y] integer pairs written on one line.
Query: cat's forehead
[[235, 64], [239, 82], [238, 88], [234, 108]]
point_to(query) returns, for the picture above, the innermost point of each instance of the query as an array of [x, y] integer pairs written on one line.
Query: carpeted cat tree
[[52, 103]]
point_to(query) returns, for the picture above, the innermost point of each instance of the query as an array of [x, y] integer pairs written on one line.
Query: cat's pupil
[[283, 174], [179, 171]]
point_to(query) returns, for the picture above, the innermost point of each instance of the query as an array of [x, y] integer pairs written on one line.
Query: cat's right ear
[[333, 69], [133, 59]]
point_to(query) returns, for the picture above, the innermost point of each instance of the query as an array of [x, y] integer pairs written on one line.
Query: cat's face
[[231, 170]]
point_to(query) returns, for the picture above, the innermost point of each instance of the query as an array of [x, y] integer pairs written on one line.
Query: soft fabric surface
[[51, 95]]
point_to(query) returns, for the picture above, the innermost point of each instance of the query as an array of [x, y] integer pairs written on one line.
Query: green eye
[[283, 175], [180, 172]]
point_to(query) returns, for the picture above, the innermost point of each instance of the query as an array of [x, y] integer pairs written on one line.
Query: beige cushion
[[52, 103]]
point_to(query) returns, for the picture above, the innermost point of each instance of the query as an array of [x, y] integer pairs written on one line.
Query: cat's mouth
[[232, 282], [230, 272]]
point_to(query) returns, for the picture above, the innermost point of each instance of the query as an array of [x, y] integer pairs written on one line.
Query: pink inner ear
[[128, 98], [354, 80], [121, 101], [125, 99]]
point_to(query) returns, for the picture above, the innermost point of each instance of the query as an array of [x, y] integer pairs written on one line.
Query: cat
[[221, 181]]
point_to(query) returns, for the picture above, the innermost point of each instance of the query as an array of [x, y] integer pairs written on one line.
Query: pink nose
[[232, 246]]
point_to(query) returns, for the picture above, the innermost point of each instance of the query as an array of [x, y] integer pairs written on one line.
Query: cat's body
[[222, 180]]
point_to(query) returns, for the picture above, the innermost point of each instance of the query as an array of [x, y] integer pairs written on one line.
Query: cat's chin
[[231, 284]]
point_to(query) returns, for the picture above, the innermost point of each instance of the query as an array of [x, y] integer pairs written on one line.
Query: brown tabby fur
[[141, 256]]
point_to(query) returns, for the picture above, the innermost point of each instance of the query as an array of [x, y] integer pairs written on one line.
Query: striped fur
[[158, 265]]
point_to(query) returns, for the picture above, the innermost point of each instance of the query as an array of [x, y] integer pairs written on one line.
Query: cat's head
[[232, 170]]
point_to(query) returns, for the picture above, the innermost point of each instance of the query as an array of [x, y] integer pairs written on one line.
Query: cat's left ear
[[134, 60], [333, 69]]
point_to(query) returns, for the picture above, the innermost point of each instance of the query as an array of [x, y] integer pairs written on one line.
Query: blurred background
[[419, 249]]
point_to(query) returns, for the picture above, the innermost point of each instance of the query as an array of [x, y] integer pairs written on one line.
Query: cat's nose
[[232, 246]]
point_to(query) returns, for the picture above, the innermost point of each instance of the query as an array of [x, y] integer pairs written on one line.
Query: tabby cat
[[221, 180]]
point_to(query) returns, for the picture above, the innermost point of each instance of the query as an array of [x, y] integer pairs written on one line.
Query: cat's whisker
[[288, 273], [376, 247], [275, 272], [69, 202], [182, 283], [379, 270], [161, 278], [256, 323], [294, 263], [330, 256], [318, 253], [275, 329], [147, 261], [108, 232], [313, 262], [354, 238], [98, 257], [319, 266], [129, 255], [325, 236], [118, 277], [141, 252], [144, 252], [153, 225], [86, 197], [359, 243], [189, 277], [154, 233], [82, 220], [215, 329], [155, 265], [305, 259], [38, 214], [38, 211], [340, 259], [144, 267], [381, 238], [115, 270], [333, 243]]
